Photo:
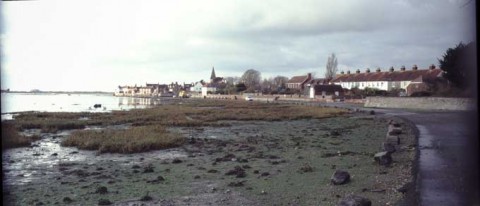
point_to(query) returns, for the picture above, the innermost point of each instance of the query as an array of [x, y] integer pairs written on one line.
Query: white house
[[385, 80]]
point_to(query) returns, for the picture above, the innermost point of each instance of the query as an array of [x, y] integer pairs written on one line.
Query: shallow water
[[21, 102]]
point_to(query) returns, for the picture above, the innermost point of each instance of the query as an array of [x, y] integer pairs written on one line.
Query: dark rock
[[388, 147], [101, 190], [405, 187], [264, 174], [383, 158], [372, 112], [306, 168], [237, 171], [255, 171], [176, 161], [246, 167], [100, 168], [54, 154], [334, 133], [146, 198], [196, 177], [135, 167], [148, 169], [340, 177], [236, 184], [395, 132], [212, 171], [354, 200], [189, 165], [104, 202], [393, 139], [67, 200], [160, 178]]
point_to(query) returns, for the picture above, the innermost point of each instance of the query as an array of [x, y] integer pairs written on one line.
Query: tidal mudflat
[[230, 154]]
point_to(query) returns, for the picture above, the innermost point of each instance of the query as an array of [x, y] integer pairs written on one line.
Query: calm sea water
[[20, 102]]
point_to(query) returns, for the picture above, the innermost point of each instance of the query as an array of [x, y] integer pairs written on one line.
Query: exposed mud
[[247, 163]]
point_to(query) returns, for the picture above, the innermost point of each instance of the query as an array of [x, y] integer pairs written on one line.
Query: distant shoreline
[[59, 92]]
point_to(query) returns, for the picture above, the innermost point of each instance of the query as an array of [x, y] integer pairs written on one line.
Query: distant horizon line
[[40, 91]]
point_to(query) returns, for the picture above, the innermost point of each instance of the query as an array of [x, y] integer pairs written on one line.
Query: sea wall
[[429, 103]]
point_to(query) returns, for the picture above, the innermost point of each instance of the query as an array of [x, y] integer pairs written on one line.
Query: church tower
[[213, 74]]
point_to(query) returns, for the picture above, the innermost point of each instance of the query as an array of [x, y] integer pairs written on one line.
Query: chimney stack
[[348, 71], [414, 67], [391, 69], [378, 70], [402, 68], [432, 66], [358, 71], [309, 75]]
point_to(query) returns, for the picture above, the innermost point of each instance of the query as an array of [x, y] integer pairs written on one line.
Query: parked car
[[249, 98]]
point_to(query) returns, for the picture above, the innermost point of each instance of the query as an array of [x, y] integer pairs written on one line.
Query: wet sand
[[246, 163]]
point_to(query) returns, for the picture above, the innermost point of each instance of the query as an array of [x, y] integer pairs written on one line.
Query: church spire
[[213, 74]]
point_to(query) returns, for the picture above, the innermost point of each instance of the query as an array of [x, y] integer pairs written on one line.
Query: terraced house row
[[410, 80]]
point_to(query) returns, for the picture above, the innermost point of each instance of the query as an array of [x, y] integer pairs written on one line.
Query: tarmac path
[[447, 169]]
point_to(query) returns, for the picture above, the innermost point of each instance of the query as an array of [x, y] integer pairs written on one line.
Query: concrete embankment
[[429, 103]]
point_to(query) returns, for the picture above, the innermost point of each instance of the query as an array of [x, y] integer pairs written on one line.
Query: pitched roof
[[408, 75], [328, 87], [297, 79], [318, 81]]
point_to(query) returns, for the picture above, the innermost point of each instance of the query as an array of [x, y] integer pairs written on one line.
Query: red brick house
[[299, 82]]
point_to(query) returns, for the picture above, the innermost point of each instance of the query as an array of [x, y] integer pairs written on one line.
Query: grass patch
[[149, 125], [132, 140], [11, 137]]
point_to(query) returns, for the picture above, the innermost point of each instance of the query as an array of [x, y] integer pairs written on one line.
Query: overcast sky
[[98, 45]]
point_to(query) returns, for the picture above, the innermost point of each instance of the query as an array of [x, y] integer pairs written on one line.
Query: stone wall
[[430, 103]]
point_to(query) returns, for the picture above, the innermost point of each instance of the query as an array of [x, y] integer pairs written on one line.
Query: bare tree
[[232, 80], [251, 78], [331, 67], [279, 82]]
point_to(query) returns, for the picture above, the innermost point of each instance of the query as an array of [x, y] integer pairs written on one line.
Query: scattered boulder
[[146, 198], [354, 200], [334, 133], [388, 147], [67, 200], [236, 184], [383, 158], [101, 190], [176, 161], [104, 202], [340, 177], [237, 171], [394, 130], [372, 112], [392, 139], [407, 186], [306, 168], [148, 169]]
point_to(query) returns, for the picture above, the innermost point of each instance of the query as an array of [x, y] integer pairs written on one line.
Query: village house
[[324, 90], [148, 90], [386, 81], [299, 82]]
